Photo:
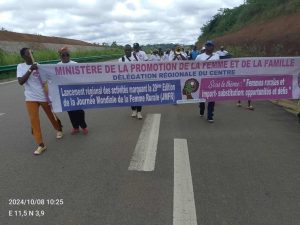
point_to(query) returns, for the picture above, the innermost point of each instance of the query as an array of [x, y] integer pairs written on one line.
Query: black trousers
[[210, 109], [137, 108], [77, 118]]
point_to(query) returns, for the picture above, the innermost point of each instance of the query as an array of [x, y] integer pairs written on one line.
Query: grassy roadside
[[7, 76], [42, 55]]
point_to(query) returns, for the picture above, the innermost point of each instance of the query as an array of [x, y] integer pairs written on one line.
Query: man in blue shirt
[[194, 53]]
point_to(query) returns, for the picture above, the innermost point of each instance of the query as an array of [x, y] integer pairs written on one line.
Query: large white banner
[[109, 84]]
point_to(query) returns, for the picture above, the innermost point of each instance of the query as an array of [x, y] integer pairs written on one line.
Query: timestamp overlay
[[32, 209]]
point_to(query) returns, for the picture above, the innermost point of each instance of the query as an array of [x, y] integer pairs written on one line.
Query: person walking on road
[[208, 55], [137, 55], [77, 117], [128, 57], [36, 96], [249, 106]]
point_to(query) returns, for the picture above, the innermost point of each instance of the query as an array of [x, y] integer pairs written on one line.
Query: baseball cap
[[209, 42]]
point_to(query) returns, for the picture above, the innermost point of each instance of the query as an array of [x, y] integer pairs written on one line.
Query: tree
[[114, 44]]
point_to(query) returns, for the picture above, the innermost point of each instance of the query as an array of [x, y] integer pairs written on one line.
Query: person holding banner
[[137, 55], [249, 106], [208, 55], [36, 96], [77, 117], [128, 57], [238, 104]]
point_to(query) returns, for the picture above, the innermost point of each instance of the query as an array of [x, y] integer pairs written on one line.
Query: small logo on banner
[[191, 85]]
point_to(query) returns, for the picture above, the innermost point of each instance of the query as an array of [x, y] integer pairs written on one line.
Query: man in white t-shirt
[[128, 54], [166, 56], [36, 96], [138, 55], [222, 52], [155, 56], [208, 55], [128, 57]]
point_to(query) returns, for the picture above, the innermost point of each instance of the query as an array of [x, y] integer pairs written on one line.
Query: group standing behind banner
[[95, 86]]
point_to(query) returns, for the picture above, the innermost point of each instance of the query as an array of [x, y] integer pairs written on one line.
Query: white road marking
[[144, 155], [184, 211], [8, 82]]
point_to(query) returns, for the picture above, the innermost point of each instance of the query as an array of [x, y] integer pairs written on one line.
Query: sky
[[126, 21]]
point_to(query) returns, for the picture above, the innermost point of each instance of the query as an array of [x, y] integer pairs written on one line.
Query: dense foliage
[[228, 20]]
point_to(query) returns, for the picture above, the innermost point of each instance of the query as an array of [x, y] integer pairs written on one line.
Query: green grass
[[252, 51], [230, 20], [43, 55], [8, 75], [258, 51]]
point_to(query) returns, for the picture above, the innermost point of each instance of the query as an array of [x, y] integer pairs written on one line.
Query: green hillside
[[229, 20]]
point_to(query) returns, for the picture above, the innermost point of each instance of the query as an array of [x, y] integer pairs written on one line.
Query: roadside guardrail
[[7, 68]]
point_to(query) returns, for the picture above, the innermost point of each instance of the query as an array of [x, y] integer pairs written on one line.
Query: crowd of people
[[205, 53], [36, 93]]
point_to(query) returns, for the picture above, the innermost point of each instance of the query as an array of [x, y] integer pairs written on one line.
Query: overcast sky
[[127, 21]]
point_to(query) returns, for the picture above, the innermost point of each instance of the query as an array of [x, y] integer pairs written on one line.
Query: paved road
[[242, 170]]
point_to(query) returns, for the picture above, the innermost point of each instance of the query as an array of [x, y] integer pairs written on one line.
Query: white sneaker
[[134, 113], [59, 134], [39, 150], [210, 120], [139, 115]]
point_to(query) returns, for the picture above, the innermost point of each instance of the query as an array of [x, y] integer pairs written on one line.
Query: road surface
[[172, 167]]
